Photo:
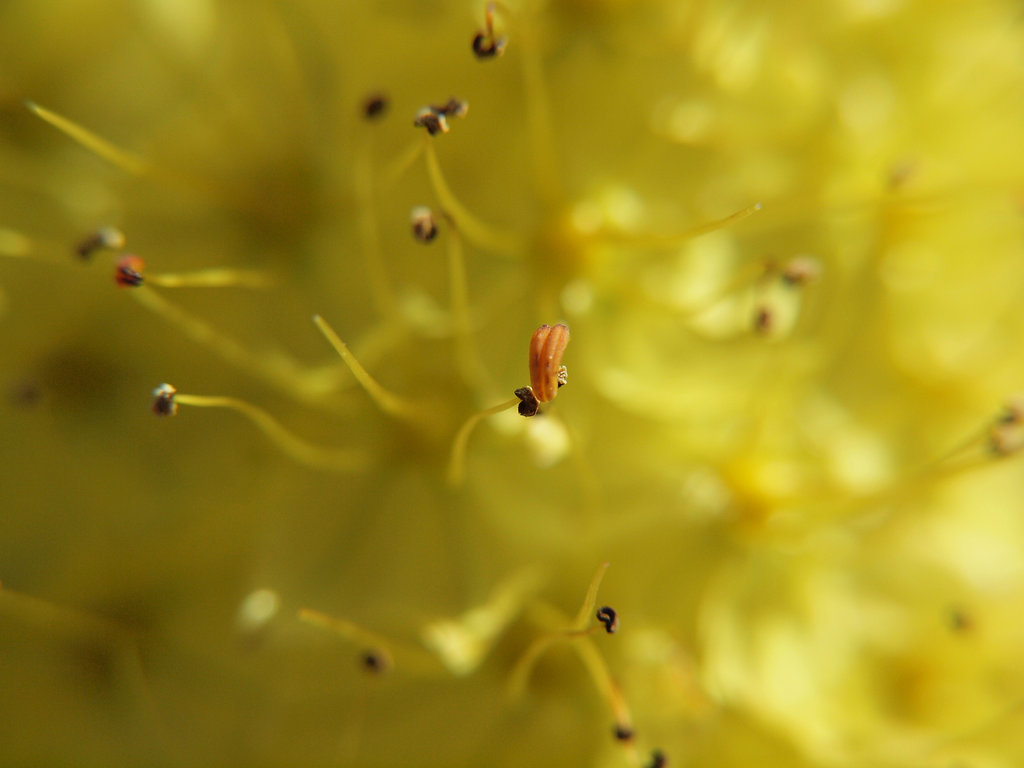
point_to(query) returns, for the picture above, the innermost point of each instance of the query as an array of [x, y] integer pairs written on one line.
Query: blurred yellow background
[[792, 436]]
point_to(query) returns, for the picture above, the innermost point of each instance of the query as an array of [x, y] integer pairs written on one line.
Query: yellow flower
[[786, 238]]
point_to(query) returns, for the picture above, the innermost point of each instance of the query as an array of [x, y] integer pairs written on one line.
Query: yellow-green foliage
[[807, 494]]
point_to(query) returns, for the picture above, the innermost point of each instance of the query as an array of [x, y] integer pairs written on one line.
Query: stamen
[[424, 224], [590, 599], [128, 271], [381, 289], [475, 230], [307, 385], [103, 239], [673, 240], [375, 106], [658, 759], [472, 368], [123, 159], [432, 120], [376, 656], [578, 633], [547, 345], [801, 270], [608, 616], [457, 461], [451, 108], [543, 158], [212, 278], [401, 164], [391, 404], [485, 44], [167, 399]]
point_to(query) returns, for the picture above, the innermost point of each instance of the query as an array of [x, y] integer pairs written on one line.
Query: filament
[[211, 278], [123, 159], [381, 289], [457, 461], [675, 239], [308, 385], [346, 629], [412, 658], [538, 112], [292, 446], [471, 366], [586, 610], [391, 404], [475, 230], [578, 633], [400, 165]]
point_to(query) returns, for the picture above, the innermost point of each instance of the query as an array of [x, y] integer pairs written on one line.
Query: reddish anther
[[547, 345]]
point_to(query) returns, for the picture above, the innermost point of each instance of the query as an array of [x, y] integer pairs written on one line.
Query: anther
[[104, 238], [1013, 410], [375, 106], [424, 224], [434, 122], [485, 44], [528, 405], [801, 270], [435, 117], [764, 319], [607, 616], [452, 108], [547, 345], [128, 273], [546, 375], [167, 399], [487, 47], [164, 403], [960, 620], [623, 732], [658, 759], [376, 661], [1007, 435]]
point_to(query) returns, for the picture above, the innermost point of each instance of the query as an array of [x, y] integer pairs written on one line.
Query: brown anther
[[801, 270], [658, 759], [1006, 438], [452, 108], [376, 660], [375, 105], [435, 122], [128, 272], [486, 46], [1013, 410], [1007, 434], [109, 238], [528, 404], [764, 320], [960, 621], [607, 616], [164, 403], [900, 173], [623, 732], [424, 224]]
